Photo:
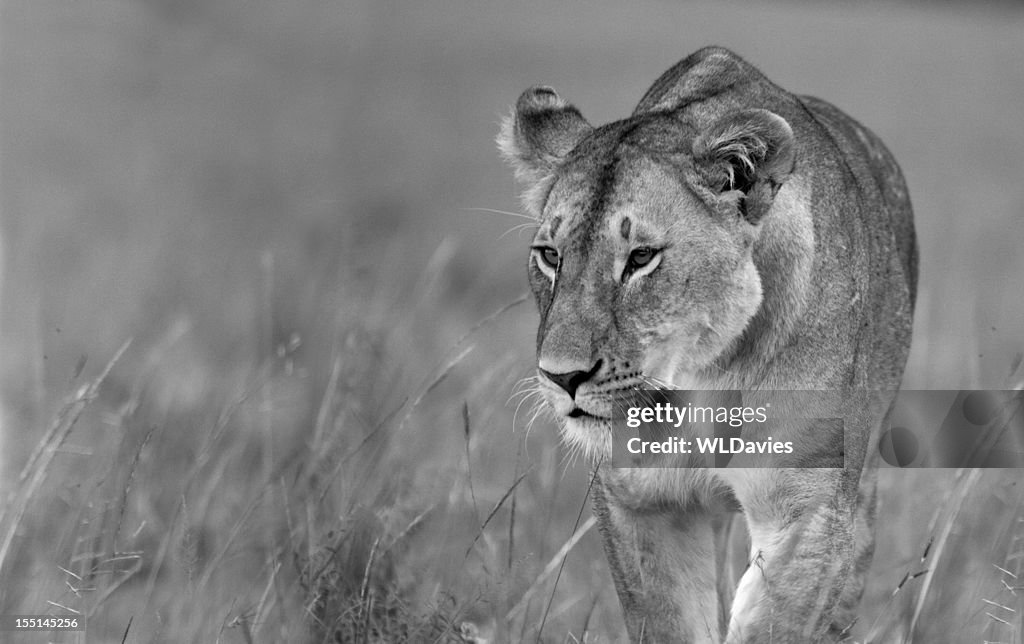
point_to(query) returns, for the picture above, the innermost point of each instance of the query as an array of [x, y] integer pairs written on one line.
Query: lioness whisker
[[500, 212]]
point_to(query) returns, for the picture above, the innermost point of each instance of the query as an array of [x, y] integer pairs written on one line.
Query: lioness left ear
[[542, 130], [749, 152]]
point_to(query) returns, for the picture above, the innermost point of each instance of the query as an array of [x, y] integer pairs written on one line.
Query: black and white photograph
[[489, 322]]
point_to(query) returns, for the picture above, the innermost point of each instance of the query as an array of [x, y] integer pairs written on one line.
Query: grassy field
[[284, 215]]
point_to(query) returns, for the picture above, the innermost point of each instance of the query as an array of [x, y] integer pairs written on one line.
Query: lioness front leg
[[802, 554], [664, 567]]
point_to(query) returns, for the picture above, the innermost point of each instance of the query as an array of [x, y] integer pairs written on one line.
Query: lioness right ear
[[748, 154], [537, 137]]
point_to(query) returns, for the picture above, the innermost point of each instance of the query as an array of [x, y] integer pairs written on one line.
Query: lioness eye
[[641, 257], [548, 255]]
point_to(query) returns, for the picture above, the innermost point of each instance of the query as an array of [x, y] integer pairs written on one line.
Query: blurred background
[[293, 210]]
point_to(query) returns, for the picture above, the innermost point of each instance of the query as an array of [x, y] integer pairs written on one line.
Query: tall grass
[[343, 484], [323, 493]]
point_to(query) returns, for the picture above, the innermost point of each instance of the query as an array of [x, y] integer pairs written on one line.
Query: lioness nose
[[571, 380]]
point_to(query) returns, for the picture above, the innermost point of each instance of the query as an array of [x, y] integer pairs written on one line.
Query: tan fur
[[784, 258]]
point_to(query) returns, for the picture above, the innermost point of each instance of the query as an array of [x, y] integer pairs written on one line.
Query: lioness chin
[[728, 235]]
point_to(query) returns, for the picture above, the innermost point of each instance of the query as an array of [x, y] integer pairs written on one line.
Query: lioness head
[[642, 263]]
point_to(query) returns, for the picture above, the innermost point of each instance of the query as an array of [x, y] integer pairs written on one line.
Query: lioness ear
[[537, 136], [749, 153]]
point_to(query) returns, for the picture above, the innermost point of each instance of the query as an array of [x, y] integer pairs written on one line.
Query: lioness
[[727, 235]]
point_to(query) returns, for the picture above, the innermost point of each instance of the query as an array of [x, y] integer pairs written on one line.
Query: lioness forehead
[[632, 195], [633, 168]]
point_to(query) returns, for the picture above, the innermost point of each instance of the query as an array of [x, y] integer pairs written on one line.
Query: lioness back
[[728, 235]]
